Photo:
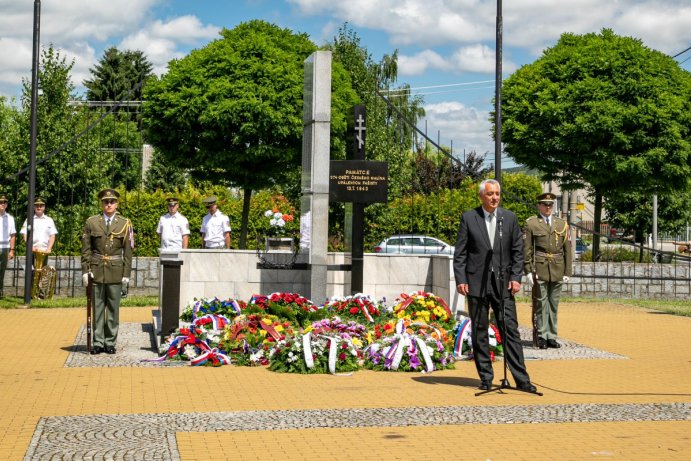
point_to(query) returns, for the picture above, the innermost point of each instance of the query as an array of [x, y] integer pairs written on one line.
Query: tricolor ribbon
[[429, 365], [218, 322], [214, 355], [462, 333]]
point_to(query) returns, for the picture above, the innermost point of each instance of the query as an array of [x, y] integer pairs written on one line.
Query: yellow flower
[[357, 342], [278, 327], [307, 330], [262, 332]]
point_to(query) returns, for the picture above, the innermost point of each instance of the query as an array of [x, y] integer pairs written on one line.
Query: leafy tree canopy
[[602, 111]]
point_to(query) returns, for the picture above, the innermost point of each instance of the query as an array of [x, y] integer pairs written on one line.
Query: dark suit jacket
[[474, 258]]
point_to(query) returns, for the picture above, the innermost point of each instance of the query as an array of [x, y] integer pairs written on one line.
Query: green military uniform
[[548, 256], [107, 254]]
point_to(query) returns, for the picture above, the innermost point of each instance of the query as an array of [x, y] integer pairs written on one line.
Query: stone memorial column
[[314, 205]]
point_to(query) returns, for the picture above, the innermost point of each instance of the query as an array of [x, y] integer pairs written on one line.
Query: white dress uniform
[[44, 228], [214, 227], [171, 229]]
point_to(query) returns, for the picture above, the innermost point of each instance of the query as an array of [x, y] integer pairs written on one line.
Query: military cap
[[107, 194], [39, 201], [172, 200], [208, 201], [3, 197], [547, 197]]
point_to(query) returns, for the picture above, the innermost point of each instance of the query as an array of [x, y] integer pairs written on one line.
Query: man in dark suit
[[490, 247]]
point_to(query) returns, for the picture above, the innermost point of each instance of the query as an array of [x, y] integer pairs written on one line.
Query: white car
[[414, 244]]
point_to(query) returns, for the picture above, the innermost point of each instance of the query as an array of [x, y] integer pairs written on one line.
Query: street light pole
[[29, 261], [497, 95]]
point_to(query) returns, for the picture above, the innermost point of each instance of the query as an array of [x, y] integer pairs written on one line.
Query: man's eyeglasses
[[109, 202]]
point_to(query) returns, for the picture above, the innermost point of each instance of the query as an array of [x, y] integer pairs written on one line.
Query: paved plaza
[[620, 388]]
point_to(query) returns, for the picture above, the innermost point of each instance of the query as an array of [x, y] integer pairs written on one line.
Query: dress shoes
[[110, 350], [97, 350], [527, 387], [541, 343], [485, 385], [552, 343]]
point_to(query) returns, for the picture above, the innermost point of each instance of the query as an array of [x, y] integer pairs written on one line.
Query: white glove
[[85, 278], [125, 280], [529, 281], [565, 279]]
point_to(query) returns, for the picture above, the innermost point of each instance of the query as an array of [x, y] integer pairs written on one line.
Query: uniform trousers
[[548, 294], [513, 349], [106, 313], [4, 257]]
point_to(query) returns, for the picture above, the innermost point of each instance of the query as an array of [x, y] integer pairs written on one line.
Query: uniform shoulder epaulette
[[531, 218], [93, 218]]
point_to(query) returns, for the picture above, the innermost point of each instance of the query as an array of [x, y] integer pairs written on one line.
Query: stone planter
[[283, 244]]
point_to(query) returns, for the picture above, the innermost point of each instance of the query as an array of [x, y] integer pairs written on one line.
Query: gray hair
[[481, 189]]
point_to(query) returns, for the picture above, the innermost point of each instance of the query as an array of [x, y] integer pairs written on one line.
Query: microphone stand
[[504, 382]]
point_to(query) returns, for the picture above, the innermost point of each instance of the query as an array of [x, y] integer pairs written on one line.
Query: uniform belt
[[215, 245], [106, 258], [547, 254]]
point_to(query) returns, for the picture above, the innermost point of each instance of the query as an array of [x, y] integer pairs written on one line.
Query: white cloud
[[476, 58], [468, 127]]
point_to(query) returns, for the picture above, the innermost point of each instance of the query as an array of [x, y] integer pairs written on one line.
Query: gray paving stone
[[152, 436]]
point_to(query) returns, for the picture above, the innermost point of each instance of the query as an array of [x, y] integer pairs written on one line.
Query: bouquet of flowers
[[359, 307], [334, 326], [435, 330], [195, 344], [314, 353], [287, 306], [250, 337], [408, 349], [421, 306], [200, 307], [277, 222], [463, 344]]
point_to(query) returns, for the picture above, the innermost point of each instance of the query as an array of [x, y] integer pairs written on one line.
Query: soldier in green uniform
[[547, 263], [107, 245]]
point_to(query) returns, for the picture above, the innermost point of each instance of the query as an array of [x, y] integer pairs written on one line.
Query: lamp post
[[29, 261]]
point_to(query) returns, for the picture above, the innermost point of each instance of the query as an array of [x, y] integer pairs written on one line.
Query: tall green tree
[[603, 112], [231, 112], [119, 75]]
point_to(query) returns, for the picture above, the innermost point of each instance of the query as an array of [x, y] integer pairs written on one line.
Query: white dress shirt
[[171, 228], [214, 228], [7, 230], [44, 228]]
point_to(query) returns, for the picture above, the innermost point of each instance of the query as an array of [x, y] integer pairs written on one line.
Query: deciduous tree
[[603, 112]]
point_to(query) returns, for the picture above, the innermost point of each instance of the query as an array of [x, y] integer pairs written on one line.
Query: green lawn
[[676, 306], [11, 302]]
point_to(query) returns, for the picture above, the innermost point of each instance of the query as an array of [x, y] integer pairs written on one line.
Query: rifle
[[534, 300], [89, 309]]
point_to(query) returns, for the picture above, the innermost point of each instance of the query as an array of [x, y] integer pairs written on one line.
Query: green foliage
[[602, 111], [119, 75], [618, 254], [438, 214]]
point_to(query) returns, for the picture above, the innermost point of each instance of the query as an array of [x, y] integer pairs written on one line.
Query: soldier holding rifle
[[107, 245], [547, 263]]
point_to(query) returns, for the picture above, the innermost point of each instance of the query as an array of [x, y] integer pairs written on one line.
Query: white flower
[[190, 351], [273, 221], [268, 213], [257, 356], [280, 223], [278, 215]]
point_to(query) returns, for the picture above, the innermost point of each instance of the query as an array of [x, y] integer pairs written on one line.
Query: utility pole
[[497, 96]]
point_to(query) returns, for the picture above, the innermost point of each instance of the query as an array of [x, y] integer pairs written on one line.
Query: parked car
[[581, 247], [414, 244]]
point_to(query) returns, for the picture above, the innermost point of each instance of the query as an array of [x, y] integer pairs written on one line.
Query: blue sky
[[446, 47]]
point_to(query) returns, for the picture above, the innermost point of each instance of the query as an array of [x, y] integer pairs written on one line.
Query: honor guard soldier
[[107, 245], [173, 227], [215, 228], [548, 257], [44, 231], [8, 235]]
